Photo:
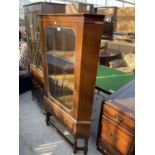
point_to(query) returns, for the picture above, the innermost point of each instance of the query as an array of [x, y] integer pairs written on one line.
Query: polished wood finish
[[116, 134], [118, 116], [36, 72], [88, 29]]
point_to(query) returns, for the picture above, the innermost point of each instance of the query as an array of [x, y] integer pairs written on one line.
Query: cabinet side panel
[[42, 46], [88, 68]]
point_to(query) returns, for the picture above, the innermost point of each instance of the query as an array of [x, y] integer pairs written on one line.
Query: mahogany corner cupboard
[[70, 45], [32, 21]]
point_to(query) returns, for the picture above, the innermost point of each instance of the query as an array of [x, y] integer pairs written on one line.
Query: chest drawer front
[[117, 117], [106, 148], [118, 137]]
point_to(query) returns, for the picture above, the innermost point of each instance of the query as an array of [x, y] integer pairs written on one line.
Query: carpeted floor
[[35, 138]]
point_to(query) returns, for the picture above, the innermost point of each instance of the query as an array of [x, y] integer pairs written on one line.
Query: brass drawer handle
[[105, 151], [113, 137], [118, 118]]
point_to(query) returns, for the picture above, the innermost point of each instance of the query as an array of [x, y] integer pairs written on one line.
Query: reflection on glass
[[32, 25], [33, 55], [36, 26], [61, 42], [29, 28], [60, 47]]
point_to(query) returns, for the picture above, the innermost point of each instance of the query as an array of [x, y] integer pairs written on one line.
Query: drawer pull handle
[[105, 151], [118, 119], [113, 136]]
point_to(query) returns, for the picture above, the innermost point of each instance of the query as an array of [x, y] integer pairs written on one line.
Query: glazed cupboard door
[[60, 57], [29, 27], [33, 37], [36, 36], [29, 31]]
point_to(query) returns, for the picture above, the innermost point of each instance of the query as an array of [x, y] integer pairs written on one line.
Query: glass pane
[[29, 27], [69, 43], [33, 55], [39, 60], [37, 39], [61, 42], [50, 39], [60, 51], [69, 83], [51, 77], [59, 76], [36, 26]]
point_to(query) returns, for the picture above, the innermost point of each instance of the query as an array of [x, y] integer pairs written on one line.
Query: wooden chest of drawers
[[116, 134]]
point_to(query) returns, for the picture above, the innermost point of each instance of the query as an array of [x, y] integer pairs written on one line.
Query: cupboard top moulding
[[80, 17], [45, 7], [124, 99], [70, 45]]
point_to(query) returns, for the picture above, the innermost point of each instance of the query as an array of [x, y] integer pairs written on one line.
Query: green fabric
[[110, 79]]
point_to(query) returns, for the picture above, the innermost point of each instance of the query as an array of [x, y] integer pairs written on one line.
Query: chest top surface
[[124, 98]]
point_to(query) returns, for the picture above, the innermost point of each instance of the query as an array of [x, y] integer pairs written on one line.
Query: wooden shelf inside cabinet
[[71, 47], [66, 80], [67, 55]]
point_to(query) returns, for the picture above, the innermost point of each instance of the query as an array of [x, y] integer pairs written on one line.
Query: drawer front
[[106, 148], [59, 114], [116, 136], [63, 118], [117, 117]]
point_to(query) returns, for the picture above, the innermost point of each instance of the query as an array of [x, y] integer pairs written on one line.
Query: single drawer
[[61, 116], [116, 136], [118, 117]]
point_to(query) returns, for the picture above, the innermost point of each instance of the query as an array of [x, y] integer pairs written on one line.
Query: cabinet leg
[[86, 146], [47, 118], [75, 145]]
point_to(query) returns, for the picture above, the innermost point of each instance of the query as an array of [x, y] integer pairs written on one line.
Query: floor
[[35, 138]]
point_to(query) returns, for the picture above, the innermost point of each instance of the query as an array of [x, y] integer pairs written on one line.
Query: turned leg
[[86, 146], [75, 145], [47, 119]]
